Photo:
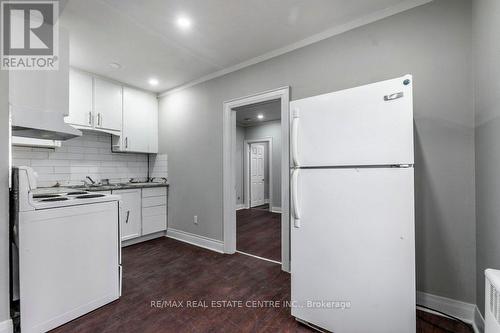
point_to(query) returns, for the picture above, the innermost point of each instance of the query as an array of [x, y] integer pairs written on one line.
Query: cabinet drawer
[[154, 192], [154, 201], [153, 211], [151, 224]]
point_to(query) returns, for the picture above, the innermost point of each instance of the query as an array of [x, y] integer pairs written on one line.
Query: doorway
[[240, 196]]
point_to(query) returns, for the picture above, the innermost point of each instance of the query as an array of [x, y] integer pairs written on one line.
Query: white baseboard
[[6, 326], [143, 238], [241, 206], [467, 312], [201, 241], [478, 322], [276, 209]]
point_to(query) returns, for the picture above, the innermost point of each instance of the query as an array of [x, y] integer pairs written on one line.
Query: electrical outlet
[[195, 220]]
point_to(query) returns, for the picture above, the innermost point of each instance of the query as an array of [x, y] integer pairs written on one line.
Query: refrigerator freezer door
[[367, 125], [355, 245]]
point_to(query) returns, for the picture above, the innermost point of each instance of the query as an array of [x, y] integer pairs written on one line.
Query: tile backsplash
[[88, 155]]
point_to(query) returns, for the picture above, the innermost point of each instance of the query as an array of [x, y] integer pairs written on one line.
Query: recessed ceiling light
[[183, 22], [153, 81], [115, 65], [260, 116]]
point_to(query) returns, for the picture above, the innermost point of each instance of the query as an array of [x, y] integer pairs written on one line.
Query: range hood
[[39, 99], [41, 125]]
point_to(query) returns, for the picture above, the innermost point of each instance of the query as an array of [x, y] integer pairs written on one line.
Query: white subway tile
[[89, 155]]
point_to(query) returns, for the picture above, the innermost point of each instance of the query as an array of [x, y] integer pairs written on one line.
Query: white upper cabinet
[[80, 99], [107, 105], [130, 115], [140, 122], [94, 103]]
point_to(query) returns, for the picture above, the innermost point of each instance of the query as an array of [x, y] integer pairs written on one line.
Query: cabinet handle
[[126, 142], [128, 214], [90, 117], [99, 119]]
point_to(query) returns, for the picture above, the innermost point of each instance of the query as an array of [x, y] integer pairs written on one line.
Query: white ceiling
[[143, 37], [247, 115]]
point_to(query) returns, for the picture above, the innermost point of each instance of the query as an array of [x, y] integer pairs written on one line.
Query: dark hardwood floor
[[165, 270], [258, 232]]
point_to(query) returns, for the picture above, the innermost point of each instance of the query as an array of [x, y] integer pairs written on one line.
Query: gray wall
[[270, 129], [486, 23], [4, 196], [432, 42]]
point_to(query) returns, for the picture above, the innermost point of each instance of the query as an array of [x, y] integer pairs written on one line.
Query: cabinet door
[[131, 217], [42, 90], [154, 210], [140, 121], [107, 105], [80, 99]]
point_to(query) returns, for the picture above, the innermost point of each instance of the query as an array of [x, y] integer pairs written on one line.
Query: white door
[[354, 245], [130, 210], [80, 99], [368, 125], [257, 175], [107, 105]]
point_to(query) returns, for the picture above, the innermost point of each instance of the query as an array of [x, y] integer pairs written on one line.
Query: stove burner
[[55, 199], [90, 196], [42, 196]]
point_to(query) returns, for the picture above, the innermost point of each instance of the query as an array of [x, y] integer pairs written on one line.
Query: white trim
[[241, 206], [6, 326], [261, 258], [462, 310], [201, 241], [141, 239], [367, 19], [276, 210], [246, 169], [478, 322], [229, 152]]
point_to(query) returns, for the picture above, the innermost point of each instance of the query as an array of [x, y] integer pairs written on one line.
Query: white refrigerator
[[352, 200]]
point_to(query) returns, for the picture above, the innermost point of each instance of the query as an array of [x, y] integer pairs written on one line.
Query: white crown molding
[[367, 19]]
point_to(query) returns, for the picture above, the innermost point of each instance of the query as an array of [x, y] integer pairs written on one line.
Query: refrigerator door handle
[[295, 201], [295, 138]]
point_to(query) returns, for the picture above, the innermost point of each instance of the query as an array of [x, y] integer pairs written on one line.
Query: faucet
[[91, 181]]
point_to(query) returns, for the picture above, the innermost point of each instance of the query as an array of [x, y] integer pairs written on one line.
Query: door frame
[[246, 169], [229, 179]]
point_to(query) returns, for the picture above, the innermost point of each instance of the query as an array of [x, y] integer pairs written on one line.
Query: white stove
[[33, 198], [69, 251]]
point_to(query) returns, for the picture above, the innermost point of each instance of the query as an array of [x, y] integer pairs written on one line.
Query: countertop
[[121, 186], [98, 188]]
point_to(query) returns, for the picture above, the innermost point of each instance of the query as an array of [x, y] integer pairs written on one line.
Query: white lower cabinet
[[154, 210], [130, 213], [143, 211]]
